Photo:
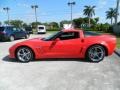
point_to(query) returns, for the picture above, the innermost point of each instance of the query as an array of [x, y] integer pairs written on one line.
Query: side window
[[18, 29], [14, 29], [8, 29], [69, 35]]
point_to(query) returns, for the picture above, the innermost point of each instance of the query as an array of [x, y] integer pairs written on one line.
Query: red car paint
[[72, 48]]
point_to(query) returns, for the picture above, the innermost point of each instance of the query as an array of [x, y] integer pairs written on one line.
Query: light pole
[[35, 8], [117, 9], [71, 5], [7, 10]]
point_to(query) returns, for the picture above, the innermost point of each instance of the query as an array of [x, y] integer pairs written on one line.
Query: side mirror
[[57, 39]]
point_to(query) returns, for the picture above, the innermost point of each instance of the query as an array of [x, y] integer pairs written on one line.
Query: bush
[[56, 29]]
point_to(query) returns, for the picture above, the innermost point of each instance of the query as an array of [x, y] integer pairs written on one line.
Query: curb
[[117, 52]]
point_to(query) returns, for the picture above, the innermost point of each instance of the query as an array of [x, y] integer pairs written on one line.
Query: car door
[[15, 32], [67, 45], [21, 33]]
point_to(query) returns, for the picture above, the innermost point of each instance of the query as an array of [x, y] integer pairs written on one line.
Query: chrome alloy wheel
[[24, 54], [96, 53]]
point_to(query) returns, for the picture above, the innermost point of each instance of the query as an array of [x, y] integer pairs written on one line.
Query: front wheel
[[27, 36], [95, 53], [12, 38], [24, 54]]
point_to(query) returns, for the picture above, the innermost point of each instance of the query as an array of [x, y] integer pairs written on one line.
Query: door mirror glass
[[57, 39]]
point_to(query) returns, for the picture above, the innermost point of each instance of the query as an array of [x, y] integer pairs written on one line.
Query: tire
[[27, 36], [24, 54], [12, 38], [95, 53]]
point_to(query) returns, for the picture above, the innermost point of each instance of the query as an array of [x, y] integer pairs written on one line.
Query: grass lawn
[[52, 32], [118, 42]]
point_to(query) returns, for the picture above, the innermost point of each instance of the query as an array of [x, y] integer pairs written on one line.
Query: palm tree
[[89, 11], [111, 13]]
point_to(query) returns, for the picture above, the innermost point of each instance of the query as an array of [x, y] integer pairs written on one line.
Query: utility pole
[[71, 5], [35, 8], [7, 10], [117, 13]]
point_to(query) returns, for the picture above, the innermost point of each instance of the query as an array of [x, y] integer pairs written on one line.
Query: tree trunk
[[111, 21]]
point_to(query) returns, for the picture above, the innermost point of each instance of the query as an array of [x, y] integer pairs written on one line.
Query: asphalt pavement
[[117, 51], [58, 74]]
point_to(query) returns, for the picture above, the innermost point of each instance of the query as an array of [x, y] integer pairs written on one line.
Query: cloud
[[23, 5], [101, 4], [77, 15], [1, 10]]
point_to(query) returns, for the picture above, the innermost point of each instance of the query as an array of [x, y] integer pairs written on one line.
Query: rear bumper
[[41, 32]]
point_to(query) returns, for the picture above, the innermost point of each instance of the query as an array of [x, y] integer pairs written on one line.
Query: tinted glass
[[52, 37], [69, 35], [41, 27], [1, 29], [89, 33]]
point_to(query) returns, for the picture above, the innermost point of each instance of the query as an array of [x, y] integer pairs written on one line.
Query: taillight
[[2, 32]]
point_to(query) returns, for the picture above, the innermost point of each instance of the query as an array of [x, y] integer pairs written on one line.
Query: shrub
[[56, 29]]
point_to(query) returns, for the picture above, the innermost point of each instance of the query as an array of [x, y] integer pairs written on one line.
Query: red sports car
[[65, 44]]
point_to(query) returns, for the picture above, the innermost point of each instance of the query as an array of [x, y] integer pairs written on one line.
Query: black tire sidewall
[[27, 36]]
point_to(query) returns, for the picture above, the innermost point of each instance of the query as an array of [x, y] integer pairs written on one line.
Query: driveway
[[58, 74]]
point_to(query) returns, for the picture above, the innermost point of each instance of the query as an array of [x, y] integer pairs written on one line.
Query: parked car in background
[[29, 30], [41, 29], [11, 33]]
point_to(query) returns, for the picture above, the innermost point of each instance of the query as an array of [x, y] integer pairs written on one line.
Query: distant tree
[[96, 19], [33, 24], [0, 23], [16, 23], [46, 24], [64, 22], [54, 25], [110, 14], [78, 22], [25, 25], [6, 22], [89, 11]]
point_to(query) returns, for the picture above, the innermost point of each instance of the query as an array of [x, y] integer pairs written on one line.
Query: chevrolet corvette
[[65, 44]]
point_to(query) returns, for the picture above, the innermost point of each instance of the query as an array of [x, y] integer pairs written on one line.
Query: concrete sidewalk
[[117, 51]]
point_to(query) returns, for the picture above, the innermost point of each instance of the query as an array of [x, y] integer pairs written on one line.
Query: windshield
[[41, 27], [52, 37]]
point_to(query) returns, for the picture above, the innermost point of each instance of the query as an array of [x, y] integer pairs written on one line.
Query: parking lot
[[57, 74]]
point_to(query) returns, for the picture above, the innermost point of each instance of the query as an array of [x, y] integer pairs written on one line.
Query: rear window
[[41, 27], [90, 33], [1, 29]]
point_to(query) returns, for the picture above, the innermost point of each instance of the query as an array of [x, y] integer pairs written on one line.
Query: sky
[[53, 10]]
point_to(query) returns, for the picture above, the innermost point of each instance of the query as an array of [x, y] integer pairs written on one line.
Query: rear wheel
[[95, 53], [12, 38], [24, 54]]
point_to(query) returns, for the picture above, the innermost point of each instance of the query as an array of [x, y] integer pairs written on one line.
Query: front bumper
[[11, 53]]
